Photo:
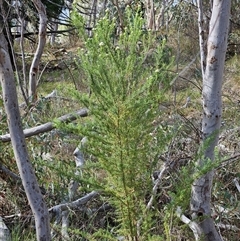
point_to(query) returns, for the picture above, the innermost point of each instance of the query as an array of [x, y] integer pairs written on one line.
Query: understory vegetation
[[138, 144]]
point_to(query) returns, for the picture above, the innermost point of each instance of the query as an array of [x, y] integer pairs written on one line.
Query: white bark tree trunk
[[212, 71], [25, 168], [160, 20], [33, 74]]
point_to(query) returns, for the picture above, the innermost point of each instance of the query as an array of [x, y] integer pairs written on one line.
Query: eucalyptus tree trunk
[[160, 21], [212, 62], [150, 11], [25, 168], [33, 74], [54, 28]]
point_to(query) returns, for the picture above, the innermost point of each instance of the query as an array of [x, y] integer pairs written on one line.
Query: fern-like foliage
[[127, 76]]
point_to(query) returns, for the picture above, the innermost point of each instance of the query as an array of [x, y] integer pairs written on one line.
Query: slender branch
[[229, 160], [74, 204], [9, 37], [185, 69], [9, 172], [157, 183], [192, 225], [154, 191], [47, 126], [33, 73], [48, 32], [228, 227]]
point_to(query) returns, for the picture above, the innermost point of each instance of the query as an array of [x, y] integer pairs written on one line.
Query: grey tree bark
[[4, 231], [33, 131], [149, 4], [25, 168], [33, 74], [212, 71], [54, 28]]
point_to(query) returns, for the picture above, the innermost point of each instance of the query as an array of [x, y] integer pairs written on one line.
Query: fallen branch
[[227, 226], [228, 161], [75, 204], [229, 133], [9, 172], [48, 126], [154, 191], [73, 186], [192, 224]]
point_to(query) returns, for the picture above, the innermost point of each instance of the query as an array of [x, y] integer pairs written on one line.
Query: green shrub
[[127, 76]]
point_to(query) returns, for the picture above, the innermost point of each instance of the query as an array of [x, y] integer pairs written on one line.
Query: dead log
[[33, 131], [74, 204]]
